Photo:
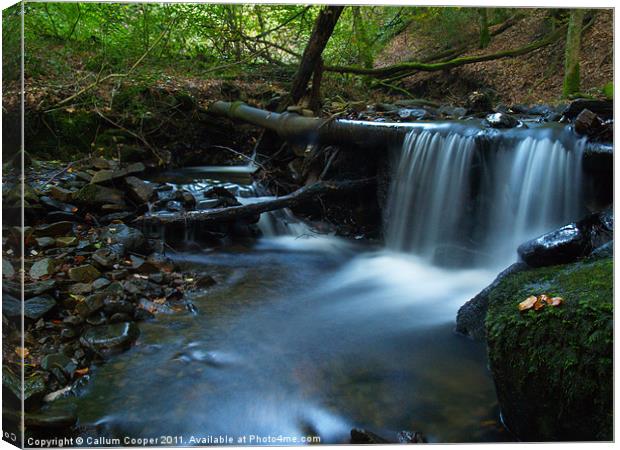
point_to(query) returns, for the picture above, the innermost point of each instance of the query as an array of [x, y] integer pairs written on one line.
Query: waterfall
[[462, 199]]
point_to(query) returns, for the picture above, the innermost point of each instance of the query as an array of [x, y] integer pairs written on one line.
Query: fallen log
[[253, 210], [294, 128]]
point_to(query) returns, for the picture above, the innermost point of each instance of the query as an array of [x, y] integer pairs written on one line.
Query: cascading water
[[459, 199], [320, 335]]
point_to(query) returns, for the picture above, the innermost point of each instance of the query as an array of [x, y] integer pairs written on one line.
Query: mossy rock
[[553, 368]]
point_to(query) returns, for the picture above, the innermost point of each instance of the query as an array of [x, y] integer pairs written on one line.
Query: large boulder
[[602, 108], [470, 319], [553, 368], [570, 242], [117, 336]]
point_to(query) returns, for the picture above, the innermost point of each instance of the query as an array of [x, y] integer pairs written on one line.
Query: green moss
[[608, 90], [571, 81], [553, 368]]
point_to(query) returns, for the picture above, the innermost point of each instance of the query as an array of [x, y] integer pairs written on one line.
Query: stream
[[312, 335]]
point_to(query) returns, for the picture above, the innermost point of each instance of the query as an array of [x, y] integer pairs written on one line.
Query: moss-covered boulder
[[553, 368]]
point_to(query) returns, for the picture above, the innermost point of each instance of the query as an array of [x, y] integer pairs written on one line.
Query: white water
[[319, 334], [453, 202]]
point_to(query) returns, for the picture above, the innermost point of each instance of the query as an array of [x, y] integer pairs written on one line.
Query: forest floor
[[533, 78]]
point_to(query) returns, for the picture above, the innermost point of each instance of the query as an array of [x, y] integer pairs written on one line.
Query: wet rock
[[415, 114], [11, 306], [120, 317], [61, 194], [111, 337], [105, 176], [37, 307], [58, 209], [470, 317], [157, 278], [480, 101], [604, 251], [589, 124], [68, 334], [42, 268], [115, 288], [95, 195], [97, 319], [30, 289], [45, 242], [570, 242], [602, 108], [452, 111], [7, 269], [66, 241], [80, 288], [58, 361], [135, 287], [54, 229], [34, 386], [130, 238], [100, 283], [112, 306], [84, 274], [501, 120], [225, 197], [105, 258], [142, 191], [116, 275], [205, 281], [91, 304], [73, 320], [360, 436]]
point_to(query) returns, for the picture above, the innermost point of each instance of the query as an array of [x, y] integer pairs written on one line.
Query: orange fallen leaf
[[22, 352], [528, 303], [556, 301], [539, 303], [81, 372]]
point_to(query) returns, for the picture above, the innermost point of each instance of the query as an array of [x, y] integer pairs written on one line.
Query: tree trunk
[[485, 36], [573, 46], [364, 53], [322, 31], [252, 211]]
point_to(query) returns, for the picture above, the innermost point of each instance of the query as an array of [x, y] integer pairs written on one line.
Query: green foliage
[[608, 90], [11, 43], [553, 368]]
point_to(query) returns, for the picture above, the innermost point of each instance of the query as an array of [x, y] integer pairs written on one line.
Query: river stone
[[34, 386], [141, 190], [112, 306], [7, 269], [54, 229], [43, 267], [132, 239], [105, 258], [100, 283], [80, 288], [84, 274], [58, 361], [360, 436], [95, 195], [66, 241], [91, 304], [61, 194], [501, 120], [45, 242], [570, 242], [104, 176], [30, 289], [415, 114], [471, 316], [602, 108], [11, 306], [111, 337], [37, 307]]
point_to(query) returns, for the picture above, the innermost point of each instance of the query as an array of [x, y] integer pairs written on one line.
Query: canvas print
[[299, 224]]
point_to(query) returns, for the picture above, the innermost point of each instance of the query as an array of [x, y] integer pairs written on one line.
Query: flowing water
[[307, 334]]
